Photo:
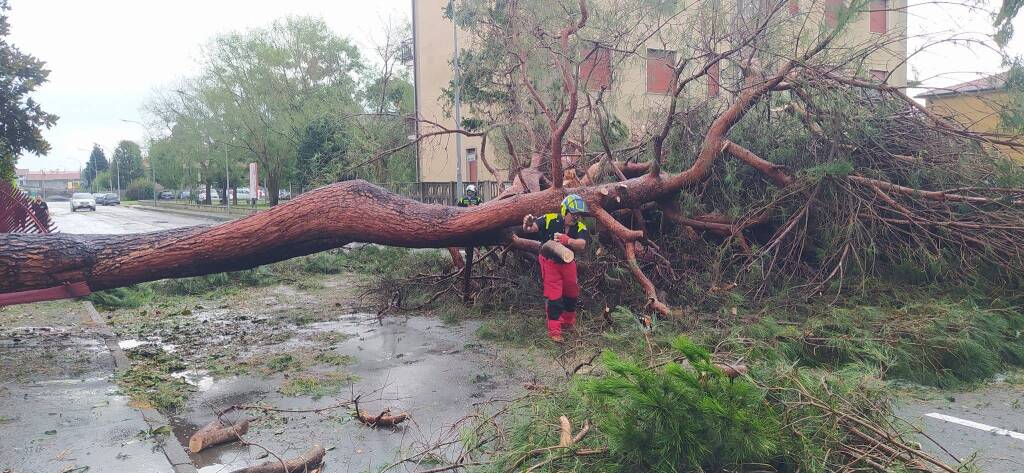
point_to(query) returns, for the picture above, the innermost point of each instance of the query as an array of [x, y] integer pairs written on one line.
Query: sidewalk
[[211, 212], [59, 407]]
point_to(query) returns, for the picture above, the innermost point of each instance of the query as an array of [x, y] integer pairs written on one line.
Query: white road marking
[[976, 425]]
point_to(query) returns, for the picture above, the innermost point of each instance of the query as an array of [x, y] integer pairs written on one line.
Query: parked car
[[185, 195], [243, 193], [82, 200], [282, 194], [214, 195], [110, 198], [166, 195]]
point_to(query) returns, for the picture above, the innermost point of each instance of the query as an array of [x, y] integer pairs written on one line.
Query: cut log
[[309, 461], [732, 371], [557, 251], [383, 419], [216, 433]]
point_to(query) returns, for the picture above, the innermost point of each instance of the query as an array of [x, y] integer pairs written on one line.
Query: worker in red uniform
[[561, 288]]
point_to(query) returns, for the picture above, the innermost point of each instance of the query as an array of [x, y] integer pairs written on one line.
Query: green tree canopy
[[128, 161], [96, 164], [267, 85], [22, 120]]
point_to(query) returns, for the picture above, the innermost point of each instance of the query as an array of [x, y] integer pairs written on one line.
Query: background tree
[[172, 165], [96, 164], [128, 161], [22, 120], [267, 85]]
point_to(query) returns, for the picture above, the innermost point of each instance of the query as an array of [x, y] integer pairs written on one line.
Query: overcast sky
[[108, 56]]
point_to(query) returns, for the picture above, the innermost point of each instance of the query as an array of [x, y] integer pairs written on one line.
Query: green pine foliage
[[938, 343], [681, 418], [122, 297]]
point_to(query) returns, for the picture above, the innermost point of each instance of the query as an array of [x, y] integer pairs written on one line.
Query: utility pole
[[458, 103], [227, 180], [93, 172]]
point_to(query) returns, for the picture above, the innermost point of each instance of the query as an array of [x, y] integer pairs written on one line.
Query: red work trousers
[[561, 291]]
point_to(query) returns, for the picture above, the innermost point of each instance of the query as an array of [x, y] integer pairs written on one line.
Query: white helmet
[[471, 189]]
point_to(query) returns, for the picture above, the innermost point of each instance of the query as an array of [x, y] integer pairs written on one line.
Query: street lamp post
[[227, 181]]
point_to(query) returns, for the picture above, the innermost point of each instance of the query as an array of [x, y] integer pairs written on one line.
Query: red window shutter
[[661, 78], [596, 69], [714, 80], [878, 16], [832, 8], [879, 75], [794, 6]]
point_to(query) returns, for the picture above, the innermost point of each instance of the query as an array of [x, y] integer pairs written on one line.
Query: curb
[[172, 448], [190, 213]]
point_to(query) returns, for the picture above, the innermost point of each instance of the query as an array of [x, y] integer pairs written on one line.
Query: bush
[[122, 297], [681, 418], [259, 276], [688, 417], [938, 343], [139, 189]]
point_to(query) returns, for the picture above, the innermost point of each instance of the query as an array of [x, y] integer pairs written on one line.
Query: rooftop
[[983, 84], [53, 175]]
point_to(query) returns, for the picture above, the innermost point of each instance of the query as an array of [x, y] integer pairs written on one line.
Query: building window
[[832, 9], [596, 69], [471, 164], [714, 80], [661, 77], [879, 10], [879, 76], [793, 6]]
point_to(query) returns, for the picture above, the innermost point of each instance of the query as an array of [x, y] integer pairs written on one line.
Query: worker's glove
[[563, 238], [528, 220]]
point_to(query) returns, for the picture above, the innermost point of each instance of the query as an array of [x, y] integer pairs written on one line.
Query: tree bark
[[307, 462], [216, 433], [273, 187], [329, 217]]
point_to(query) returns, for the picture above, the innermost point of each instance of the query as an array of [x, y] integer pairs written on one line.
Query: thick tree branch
[[774, 172]]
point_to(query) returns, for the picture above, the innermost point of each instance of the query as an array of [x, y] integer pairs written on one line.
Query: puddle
[[135, 343], [198, 378], [413, 365]]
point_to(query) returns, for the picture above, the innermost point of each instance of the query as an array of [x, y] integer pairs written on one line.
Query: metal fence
[[441, 193]]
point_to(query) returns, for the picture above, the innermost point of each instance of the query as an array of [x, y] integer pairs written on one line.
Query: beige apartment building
[[637, 85], [977, 105]]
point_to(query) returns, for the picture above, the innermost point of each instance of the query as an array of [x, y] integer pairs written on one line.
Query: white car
[[214, 195], [82, 200]]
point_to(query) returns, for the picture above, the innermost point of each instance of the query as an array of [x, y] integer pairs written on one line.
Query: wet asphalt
[[116, 219], [60, 410], [57, 418], [67, 414], [999, 405]]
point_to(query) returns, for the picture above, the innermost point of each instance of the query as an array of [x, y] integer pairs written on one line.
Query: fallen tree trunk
[[216, 433], [329, 217], [309, 461]]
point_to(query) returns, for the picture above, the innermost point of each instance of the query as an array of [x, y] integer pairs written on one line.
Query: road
[[987, 422], [117, 219]]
